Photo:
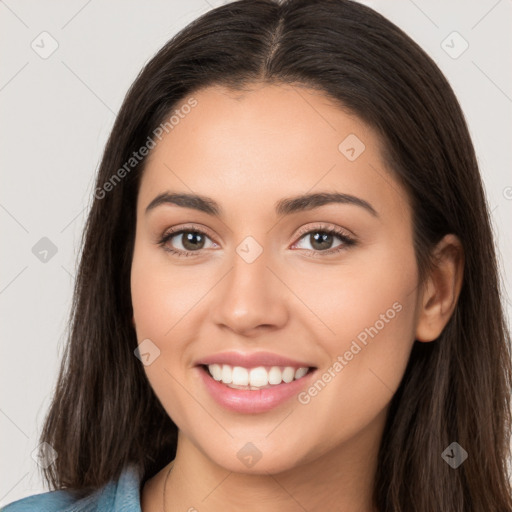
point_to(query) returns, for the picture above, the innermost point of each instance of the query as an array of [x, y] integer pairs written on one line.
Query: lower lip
[[252, 401]]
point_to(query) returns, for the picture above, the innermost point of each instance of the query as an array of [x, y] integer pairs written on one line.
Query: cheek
[[149, 302], [369, 306], [160, 294], [165, 301], [157, 312], [372, 314], [368, 355], [371, 296]]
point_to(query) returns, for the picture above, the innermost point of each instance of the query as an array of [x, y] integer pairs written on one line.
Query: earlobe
[[442, 289]]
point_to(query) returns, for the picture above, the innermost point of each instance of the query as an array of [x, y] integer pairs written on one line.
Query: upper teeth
[[255, 377]]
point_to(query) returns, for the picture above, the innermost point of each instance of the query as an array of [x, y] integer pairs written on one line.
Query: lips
[[253, 400], [245, 401]]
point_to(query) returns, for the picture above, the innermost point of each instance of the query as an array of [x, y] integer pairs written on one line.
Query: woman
[[288, 295]]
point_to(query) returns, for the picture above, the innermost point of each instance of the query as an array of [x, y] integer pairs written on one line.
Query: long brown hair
[[104, 413]]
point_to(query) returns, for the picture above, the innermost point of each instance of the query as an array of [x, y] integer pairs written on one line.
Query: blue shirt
[[122, 495]]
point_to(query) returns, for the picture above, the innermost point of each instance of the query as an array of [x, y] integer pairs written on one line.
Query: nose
[[252, 297]]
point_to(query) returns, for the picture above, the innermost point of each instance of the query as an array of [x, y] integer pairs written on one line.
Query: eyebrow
[[285, 206]]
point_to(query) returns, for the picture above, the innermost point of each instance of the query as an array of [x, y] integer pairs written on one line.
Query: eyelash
[[347, 241]]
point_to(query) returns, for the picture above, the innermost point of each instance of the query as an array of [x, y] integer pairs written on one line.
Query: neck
[[341, 479]]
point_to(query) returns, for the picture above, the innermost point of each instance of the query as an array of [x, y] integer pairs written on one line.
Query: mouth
[[254, 390]]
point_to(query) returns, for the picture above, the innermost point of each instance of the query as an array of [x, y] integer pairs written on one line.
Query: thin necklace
[[165, 484]]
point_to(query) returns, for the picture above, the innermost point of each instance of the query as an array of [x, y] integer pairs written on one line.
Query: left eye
[[190, 240], [322, 240]]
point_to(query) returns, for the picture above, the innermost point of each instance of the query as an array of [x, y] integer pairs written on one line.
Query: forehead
[[250, 148]]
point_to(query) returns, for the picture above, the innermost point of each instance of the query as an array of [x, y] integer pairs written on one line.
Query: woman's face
[[265, 275]]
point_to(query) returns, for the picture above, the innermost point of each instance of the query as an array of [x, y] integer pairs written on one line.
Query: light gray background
[[57, 113]]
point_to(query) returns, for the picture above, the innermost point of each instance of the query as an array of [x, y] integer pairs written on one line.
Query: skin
[[247, 151]]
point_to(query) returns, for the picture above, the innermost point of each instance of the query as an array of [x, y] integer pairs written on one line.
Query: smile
[[253, 390], [238, 377]]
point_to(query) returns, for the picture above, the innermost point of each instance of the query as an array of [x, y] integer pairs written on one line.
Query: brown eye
[[185, 242], [322, 239], [191, 240]]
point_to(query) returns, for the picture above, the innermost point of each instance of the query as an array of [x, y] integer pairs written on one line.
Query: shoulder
[[121, 495]]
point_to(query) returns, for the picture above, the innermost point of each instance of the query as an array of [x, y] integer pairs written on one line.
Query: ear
[[441, 292]]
